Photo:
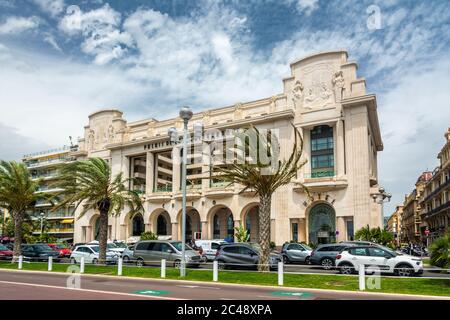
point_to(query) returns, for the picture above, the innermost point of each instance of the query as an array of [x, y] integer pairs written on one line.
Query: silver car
[[243, 255], [296, 252], [151, 252]]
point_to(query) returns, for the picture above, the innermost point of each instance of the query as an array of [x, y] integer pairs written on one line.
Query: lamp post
[[186, 115], [380, 198]]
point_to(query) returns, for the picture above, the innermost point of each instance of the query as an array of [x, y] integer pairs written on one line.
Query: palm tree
[[440, 251], [252, 169], [90, 183], [17, 195]]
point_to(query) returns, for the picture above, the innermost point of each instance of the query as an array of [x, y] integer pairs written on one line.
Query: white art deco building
[[323, 97]]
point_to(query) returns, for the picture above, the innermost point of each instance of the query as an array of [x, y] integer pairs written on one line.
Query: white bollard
[[362, 279], [163, 268], [20, 262], [50, 263], [119, 266], [280, 273], [215, 271], [82, 265]]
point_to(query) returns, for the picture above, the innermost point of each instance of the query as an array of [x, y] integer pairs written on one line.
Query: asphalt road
[[53, 286]]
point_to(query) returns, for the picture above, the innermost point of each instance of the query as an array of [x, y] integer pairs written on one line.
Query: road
[[53, 286]]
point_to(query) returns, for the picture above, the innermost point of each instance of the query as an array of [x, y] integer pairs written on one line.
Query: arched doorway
[[97, 228], [193, 225], [163, 225], [322, 224], [137, 225], [222, 224], [252, 223]]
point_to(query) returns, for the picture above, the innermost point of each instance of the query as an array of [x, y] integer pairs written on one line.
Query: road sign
[[302, 295], [152, 292]]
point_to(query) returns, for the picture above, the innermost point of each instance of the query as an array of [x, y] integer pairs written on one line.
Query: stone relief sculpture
[[238, 111], [273, 106], [338, 83], [297, 94], [111, 133], [91, 139]]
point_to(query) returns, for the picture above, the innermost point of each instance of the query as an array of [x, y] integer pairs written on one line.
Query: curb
[[122, 278]]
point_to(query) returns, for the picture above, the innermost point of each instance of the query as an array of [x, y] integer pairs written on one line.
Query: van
[[153, 251], [209, 248]]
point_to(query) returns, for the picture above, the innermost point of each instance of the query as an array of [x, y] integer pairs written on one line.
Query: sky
[[60, 60]]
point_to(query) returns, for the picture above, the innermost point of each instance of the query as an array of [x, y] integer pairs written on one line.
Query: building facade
[[435, 202], [323, 98], [44, 166], [394, 224]]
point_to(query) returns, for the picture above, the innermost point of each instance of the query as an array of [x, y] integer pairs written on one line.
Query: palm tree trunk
[[103, 235], [18, 221], [264, 231]]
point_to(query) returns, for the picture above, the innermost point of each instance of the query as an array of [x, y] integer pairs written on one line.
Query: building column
[[150, 173], [175, 231], [206, 165], [340, 226], [340, 148], [176, 172], [302, 230], [237, 224], [205, 230]]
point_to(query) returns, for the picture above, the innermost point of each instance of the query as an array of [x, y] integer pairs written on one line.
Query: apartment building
[[44, 166], [323, 98], [394, 223], [435, 202]]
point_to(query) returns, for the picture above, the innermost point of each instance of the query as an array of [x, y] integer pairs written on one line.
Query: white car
[[379, 258], [111, 246], [209, 248], [90, 254]]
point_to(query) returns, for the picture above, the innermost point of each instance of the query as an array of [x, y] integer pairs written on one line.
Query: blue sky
[[61, 60]]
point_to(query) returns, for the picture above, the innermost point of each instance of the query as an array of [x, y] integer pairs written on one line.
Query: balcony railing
[[219, 184], [163, 189], [320, 174], [436, 191], [50, 161]]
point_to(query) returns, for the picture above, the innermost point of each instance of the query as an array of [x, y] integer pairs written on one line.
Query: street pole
[[183, 187], [185, 114]]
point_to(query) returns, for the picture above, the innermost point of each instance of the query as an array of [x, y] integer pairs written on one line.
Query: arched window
[[161, 225], [138, 225], [216, 227], [230, 226], [322, 152]]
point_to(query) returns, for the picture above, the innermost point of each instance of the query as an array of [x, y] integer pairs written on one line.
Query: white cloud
[[15, 25], [100, 29], [53, 7], [48, 37], [307, 6]]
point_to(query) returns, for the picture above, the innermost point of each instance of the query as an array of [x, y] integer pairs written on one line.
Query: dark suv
[[325, 254], [39, 252], [243, 255]]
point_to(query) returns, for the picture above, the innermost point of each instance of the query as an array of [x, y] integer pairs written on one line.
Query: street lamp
[[42, 222], [381, 197], [186, 115]]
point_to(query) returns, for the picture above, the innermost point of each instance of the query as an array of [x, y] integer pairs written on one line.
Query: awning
[[67, 221]]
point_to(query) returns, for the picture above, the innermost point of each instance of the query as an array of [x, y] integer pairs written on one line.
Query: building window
[[216, 232], [322, 152], [295, 231], [230, 226], [138, 168]]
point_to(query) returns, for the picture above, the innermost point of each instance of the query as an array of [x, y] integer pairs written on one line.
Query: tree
[[241, 234], [17, 195], [439, 250], [377, 235], [90, 184], [148, 235], [257, 168]]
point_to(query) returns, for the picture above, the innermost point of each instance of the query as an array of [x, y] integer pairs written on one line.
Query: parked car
[[127, 254], [325, 254], [243, 255], [296, 252], [39, 252], [359, 243], [110, 246], [91, 255], [5, 253], [386, 260], [209, 248], [153, 251], [63, 250]]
